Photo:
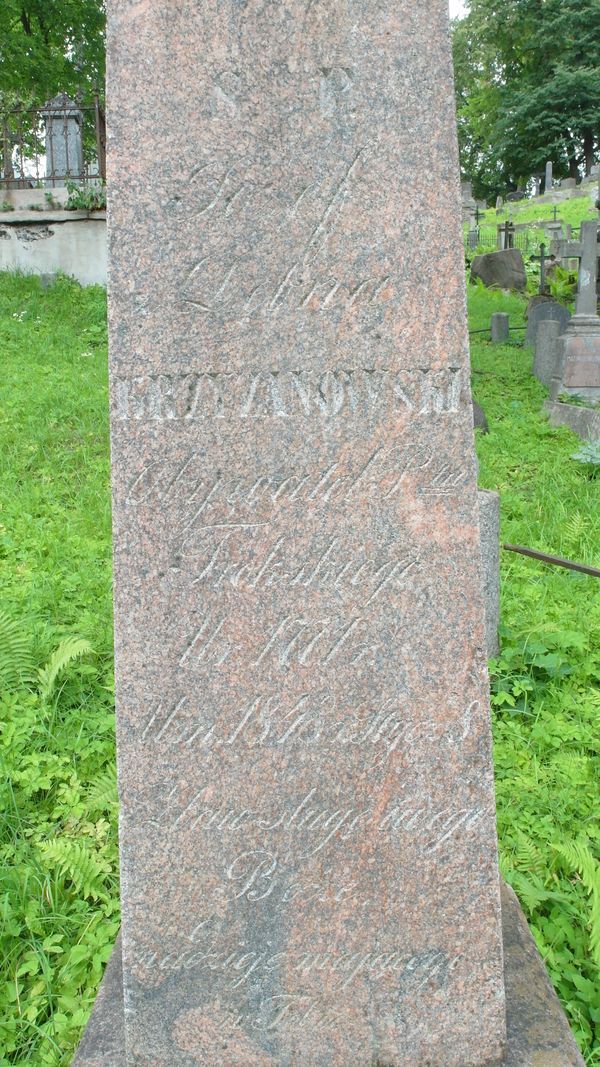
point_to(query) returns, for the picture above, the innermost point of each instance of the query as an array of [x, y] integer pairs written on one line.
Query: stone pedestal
[[578, 369], [538, 1031]]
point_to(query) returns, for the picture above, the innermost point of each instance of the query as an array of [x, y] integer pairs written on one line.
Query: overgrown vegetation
[[58, 844], [85, 197], [545, 683], [58, 888]]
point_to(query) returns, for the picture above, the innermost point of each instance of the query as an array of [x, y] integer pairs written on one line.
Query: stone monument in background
[[578, 367], [63, 120], [308, 849]]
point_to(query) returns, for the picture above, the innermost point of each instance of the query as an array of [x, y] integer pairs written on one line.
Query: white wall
[[46, 242]]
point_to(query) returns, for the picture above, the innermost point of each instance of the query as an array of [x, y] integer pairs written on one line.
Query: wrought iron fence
[[45, 147], [492, 239]]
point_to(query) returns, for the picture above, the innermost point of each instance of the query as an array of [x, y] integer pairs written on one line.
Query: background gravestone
[[64, 147], [307, 825], [500, 270], [547, 350], [543, 311]]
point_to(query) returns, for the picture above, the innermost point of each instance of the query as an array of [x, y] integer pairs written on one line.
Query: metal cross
[[542, 259]]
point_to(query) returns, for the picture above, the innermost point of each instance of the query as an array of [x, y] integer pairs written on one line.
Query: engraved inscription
[[300, 393], [330, 569], [234, 969], [313, 720], [245, 278], [430, 827], [316, 642], [251, 500]]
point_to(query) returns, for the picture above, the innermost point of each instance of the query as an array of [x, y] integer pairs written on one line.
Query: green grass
[[58, 886], [58, 861], [573, 211], [545, 684]]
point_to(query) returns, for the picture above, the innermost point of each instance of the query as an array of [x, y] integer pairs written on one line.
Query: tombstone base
[[580, 358], [538, 1031]]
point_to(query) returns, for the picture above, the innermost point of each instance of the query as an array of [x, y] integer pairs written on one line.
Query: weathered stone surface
[[543, 311], [538, 1031], [489, 521], [307, 812], [500, 327], [103, 1043], [500, 270], [547, 351]]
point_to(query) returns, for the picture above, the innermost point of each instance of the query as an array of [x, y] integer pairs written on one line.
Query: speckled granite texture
[[307, 832], [538, 1031]]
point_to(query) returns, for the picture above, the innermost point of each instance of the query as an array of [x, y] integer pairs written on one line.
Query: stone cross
[[586, 251], [307, 834], [64, 149]]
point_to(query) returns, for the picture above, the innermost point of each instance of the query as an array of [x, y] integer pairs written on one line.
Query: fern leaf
[[579, 858], [76, 862], [528, 857], [16, 660], [102, 794], [68, 650]]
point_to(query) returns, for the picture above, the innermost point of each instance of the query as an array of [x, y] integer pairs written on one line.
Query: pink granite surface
[[308, 838]]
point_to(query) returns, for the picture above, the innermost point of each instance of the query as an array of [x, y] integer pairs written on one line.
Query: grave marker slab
[[543, 311], [307, 831]]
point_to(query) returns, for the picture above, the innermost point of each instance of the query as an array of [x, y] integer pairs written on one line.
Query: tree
[[46, 47], [528, 89], [50, 46]]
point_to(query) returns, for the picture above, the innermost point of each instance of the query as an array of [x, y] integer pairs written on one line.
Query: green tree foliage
[[528, 89], [50, 46], [46, 47]]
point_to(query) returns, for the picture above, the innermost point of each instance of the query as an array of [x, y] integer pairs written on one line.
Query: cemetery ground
[[58, 834]]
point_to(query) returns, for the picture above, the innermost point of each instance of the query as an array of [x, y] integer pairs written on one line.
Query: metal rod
[[487, 330], [556, 561]]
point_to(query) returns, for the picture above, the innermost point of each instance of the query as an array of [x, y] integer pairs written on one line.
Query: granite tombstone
[[304, 745], [308, 850]]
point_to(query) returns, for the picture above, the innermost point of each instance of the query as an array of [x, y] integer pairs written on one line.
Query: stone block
[[579, 359], [501, 270], [500, 328], [585, 422], [308, 848]]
